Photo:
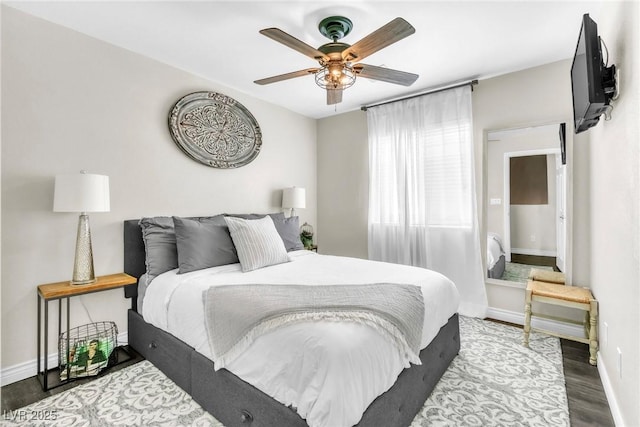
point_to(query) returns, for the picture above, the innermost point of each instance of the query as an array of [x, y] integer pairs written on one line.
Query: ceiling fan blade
[[382, 37], [292, 42], [286, 76], [385, 74], [334, 96]]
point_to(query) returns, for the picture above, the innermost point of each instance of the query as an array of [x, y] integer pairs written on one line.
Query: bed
[[495, 256], [166, 327]]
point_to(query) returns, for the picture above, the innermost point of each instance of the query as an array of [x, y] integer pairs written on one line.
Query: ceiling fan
[[339, 62]]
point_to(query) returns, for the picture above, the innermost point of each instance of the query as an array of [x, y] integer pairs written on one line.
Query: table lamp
[[82, 192], [293, 198]]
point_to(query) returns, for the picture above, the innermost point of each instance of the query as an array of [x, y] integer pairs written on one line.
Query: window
[[431, 171]]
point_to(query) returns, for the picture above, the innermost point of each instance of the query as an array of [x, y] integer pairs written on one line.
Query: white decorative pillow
[[257, 242]]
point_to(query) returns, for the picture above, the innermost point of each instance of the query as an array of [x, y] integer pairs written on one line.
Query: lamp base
[[82, 282], [83, 273]]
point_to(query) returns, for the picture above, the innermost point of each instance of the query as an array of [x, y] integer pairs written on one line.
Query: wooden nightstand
[[64, 290]]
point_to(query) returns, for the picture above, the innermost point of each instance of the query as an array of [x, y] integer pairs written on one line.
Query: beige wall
[[613, 206], [71, 102], [343, 188]]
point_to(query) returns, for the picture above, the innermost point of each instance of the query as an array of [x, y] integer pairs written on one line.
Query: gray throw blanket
[[237, 314]]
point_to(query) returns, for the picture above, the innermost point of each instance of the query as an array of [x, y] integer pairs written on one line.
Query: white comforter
[[329, 371]]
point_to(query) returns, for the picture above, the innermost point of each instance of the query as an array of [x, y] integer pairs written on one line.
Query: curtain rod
[[471, 82]]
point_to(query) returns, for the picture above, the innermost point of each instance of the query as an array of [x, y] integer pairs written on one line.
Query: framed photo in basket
[[87, 354]]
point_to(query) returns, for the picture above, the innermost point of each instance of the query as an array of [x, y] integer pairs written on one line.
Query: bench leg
[[527, 318], [593, 332]]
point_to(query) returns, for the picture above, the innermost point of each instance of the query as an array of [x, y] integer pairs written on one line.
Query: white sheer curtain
[[422, 203]]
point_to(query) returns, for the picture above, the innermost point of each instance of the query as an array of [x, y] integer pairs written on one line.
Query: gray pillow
[[289, 231], [203, 243], [159, 238], [257, 242], [274, 216]]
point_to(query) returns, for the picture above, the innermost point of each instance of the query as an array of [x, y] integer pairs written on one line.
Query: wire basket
[[87, 349]]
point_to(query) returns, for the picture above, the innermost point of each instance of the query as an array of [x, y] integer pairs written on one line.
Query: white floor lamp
[[82, 193]]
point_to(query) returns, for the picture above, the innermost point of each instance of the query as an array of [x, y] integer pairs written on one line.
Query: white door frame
[[561, 217], [507, 192]]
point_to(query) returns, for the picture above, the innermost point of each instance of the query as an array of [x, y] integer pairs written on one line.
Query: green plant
[[307, 239]]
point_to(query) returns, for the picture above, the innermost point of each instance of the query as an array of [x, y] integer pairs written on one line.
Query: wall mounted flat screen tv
[[592, 82]]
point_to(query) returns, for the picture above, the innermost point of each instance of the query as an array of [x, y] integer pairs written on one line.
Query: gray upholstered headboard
[[134, 257]]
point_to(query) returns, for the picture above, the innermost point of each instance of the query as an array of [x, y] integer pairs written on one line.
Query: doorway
[[534, 200]]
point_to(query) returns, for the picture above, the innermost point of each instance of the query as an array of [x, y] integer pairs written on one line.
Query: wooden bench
[[548, 287]]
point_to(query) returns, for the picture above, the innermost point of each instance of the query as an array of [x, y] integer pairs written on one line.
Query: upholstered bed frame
[[237, 403]]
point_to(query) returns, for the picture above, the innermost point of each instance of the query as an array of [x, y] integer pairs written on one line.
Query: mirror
[[527, 202]]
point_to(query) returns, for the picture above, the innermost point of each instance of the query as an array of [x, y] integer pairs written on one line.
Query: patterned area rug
[[520, 272], [494, 381]]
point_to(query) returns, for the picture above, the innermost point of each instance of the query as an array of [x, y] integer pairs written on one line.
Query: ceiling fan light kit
[[338, 70], [335, 77]]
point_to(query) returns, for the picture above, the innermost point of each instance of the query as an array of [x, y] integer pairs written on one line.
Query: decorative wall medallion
[[215, 129]]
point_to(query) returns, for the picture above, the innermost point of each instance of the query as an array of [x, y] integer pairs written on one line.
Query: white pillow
[[257, 242]]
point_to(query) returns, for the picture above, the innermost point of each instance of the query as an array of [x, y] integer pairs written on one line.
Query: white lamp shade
[[293, 198], [81, 192]]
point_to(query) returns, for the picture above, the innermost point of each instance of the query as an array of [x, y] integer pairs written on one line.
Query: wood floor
[[587, 402], [535, 260], [588, 405]]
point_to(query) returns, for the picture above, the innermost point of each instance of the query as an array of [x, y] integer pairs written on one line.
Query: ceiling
[[454, 41]]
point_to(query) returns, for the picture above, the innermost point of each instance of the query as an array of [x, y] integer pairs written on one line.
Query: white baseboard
[[29, 368], [548, 324], [538, 252], [608, 391]]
